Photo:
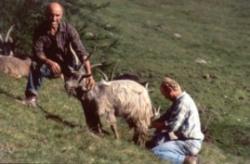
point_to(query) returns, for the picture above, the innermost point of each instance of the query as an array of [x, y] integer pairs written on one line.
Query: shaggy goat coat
[[127, 99], [124, 98]]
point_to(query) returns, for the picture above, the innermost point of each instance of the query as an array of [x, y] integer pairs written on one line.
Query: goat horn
[[113, 71], [103, 74], [158, 109], [96, 65], [74, 54], [8, 33]]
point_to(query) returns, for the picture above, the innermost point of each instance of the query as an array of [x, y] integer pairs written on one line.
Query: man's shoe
[[30, 101]]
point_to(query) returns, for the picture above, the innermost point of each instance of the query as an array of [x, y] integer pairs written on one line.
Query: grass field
[[203, 44]]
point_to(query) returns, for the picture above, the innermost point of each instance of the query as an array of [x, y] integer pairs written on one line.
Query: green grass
[[216, 31], [27, 135]]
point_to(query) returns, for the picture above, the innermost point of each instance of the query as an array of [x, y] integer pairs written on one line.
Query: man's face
[[54, 15], [166, 92]]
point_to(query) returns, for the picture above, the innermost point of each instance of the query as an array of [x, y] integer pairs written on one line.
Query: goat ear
[[72, 70]]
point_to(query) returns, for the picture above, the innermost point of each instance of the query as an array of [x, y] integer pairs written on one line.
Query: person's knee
[[194, 150]]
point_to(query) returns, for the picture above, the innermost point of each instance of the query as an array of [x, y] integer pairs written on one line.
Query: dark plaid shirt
[[56, 47]]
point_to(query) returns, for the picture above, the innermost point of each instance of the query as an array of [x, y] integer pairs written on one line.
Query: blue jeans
[[175, 151], [160, 138], [35, 79]]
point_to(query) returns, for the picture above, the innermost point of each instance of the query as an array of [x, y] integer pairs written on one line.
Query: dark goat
[[7, 44]]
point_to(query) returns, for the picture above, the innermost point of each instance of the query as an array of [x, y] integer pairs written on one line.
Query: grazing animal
[[10, 64], [124, 98], [14, 66]]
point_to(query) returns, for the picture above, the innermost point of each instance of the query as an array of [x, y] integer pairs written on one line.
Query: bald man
[[51, 52]]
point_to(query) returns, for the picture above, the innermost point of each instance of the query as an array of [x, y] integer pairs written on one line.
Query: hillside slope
[[203, 44]]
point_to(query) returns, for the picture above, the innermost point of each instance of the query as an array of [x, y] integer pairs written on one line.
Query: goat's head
[[7, 44], [75, 82]]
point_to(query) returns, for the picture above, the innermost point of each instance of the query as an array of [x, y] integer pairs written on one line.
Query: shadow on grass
[[47, 114], [57, 118], [60, 120], [12, 96]]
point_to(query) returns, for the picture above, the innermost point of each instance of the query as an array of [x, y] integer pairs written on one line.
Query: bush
[[26, 14]]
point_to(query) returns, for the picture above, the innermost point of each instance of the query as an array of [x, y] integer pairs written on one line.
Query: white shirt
[[184, 118]]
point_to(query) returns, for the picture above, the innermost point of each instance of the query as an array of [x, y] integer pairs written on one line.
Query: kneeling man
[[178, 137]]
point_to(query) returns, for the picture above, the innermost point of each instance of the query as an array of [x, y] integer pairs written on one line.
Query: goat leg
[[99, 130], [114, 130], [112, 120]]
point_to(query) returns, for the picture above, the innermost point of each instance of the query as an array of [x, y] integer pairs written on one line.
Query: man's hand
[[158, 125], [90, 82], [54, 67], [172, 136]]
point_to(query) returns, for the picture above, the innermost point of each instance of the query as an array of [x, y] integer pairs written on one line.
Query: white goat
[[124, 98]]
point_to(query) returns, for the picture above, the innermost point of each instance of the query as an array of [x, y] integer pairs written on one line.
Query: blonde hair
[[171, 83]]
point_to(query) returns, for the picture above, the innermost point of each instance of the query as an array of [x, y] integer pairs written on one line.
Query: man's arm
[[90, 82], [38, 51], [172, 119], [82, 54], [87, 65], [159, 125], [177, 118]]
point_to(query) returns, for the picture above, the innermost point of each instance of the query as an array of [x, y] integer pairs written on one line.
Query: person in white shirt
[[178, 136]]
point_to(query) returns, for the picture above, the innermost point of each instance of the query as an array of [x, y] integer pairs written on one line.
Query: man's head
[[170, 88], [54, 13]]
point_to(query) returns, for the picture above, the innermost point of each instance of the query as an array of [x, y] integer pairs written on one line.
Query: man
[[52, 55], [182, 122]]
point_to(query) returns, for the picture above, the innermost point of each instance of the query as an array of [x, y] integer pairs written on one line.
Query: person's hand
[[90, 82], [158, 125], [54, 67], [172, 136]]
